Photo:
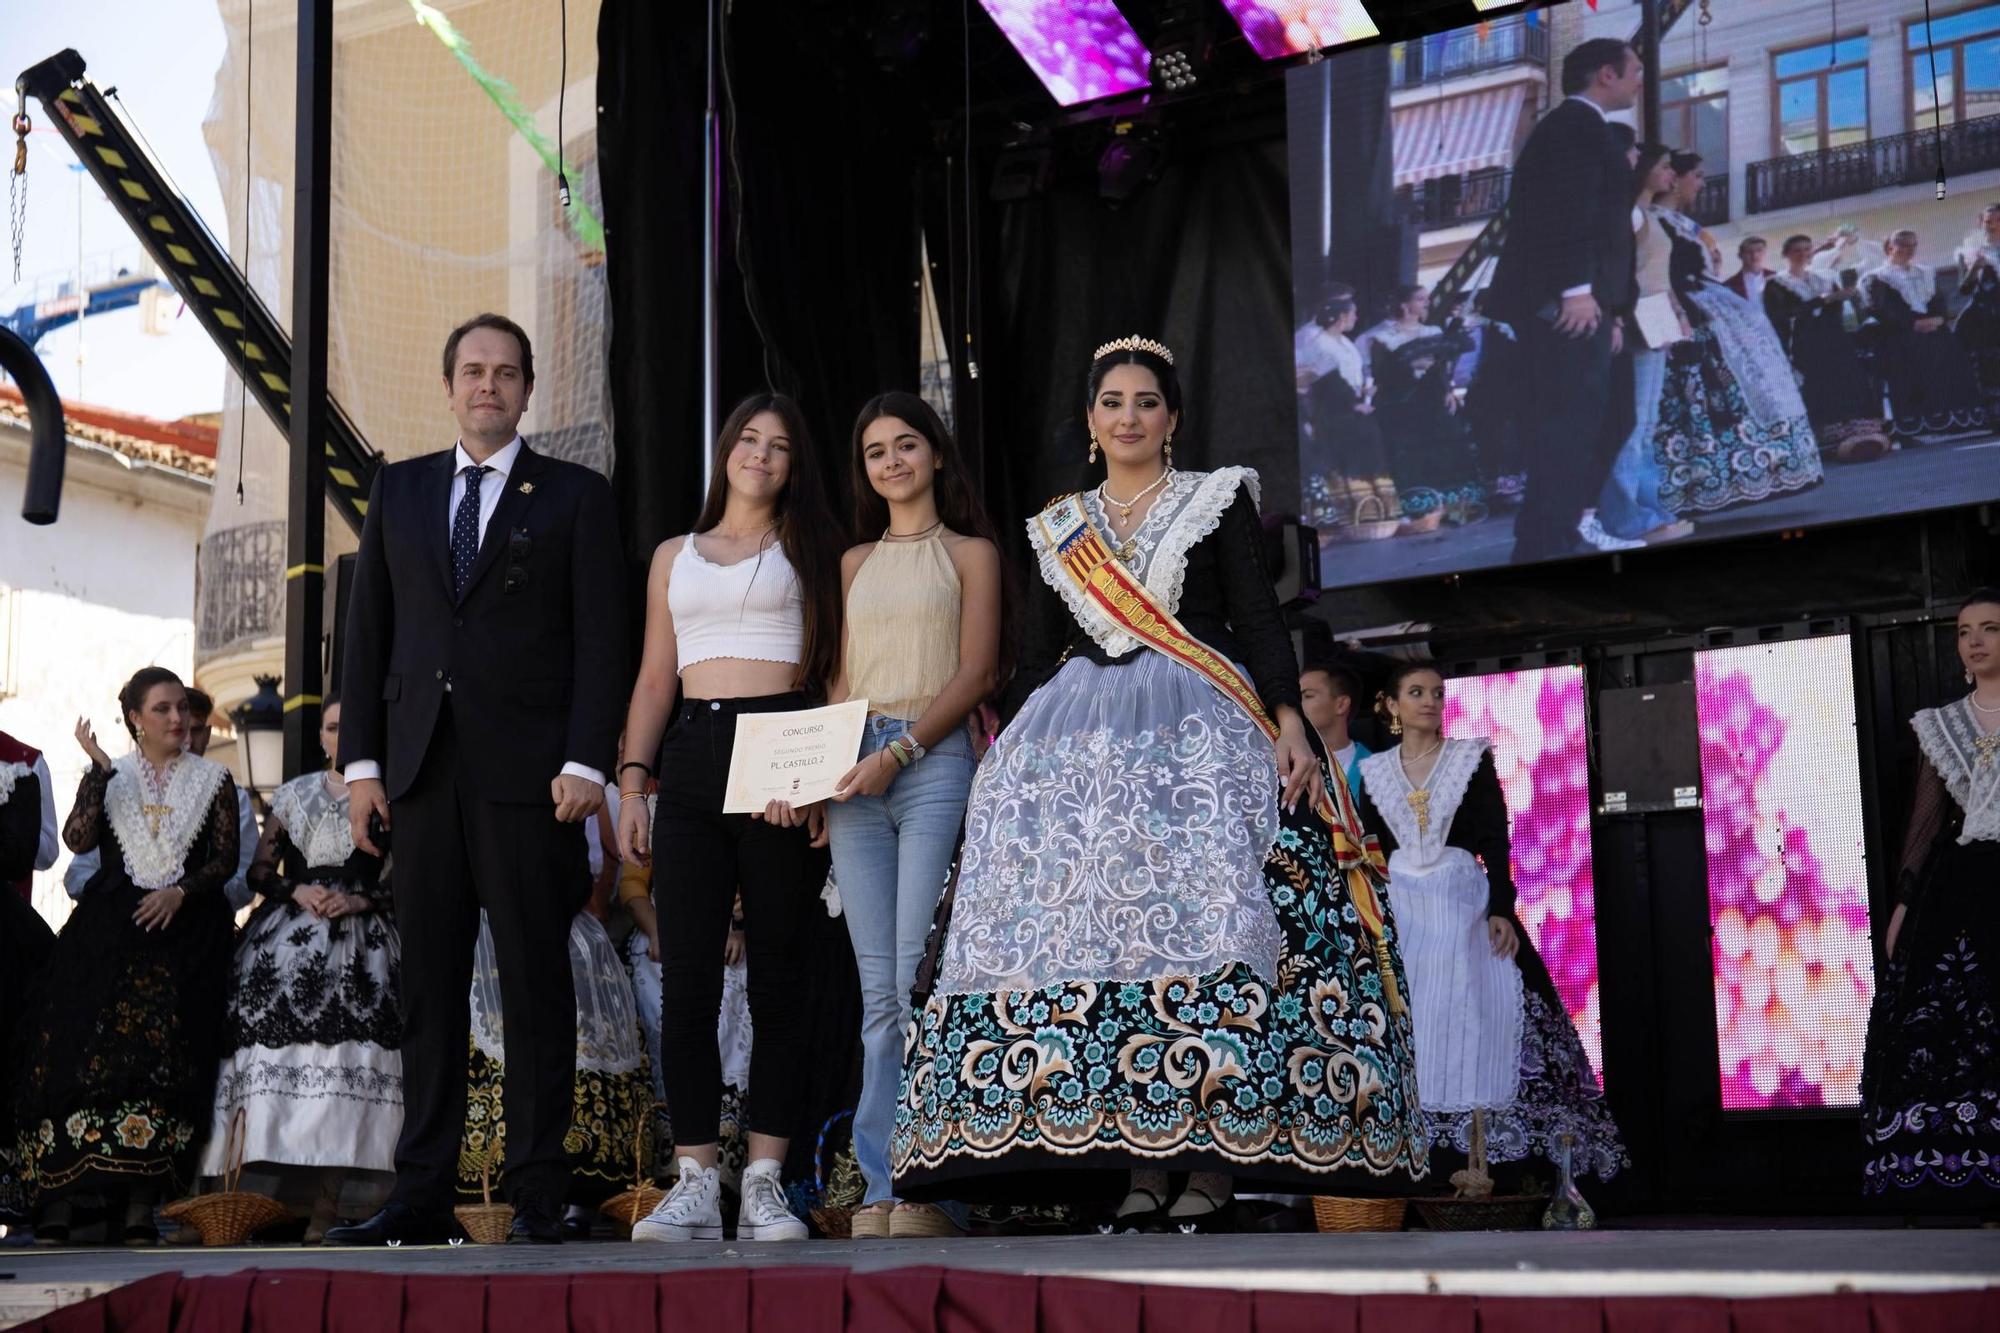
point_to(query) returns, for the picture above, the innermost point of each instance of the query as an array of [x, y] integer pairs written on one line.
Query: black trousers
[[1565, 415], [701, 858], [454, 854]]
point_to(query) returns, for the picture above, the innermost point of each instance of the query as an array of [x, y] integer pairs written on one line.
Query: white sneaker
[[764, 1214], [692, 1210], [1595, 537]]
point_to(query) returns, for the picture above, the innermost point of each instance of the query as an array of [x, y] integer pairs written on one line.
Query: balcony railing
[[1711, 206], [1451, 55], [1449, 201], [1876, 164]]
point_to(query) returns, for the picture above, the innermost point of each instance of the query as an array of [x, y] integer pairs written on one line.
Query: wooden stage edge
[[1732, 1263]]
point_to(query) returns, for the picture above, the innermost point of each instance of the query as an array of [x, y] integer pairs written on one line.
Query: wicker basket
[[1498, 1212], [840, 1185], [627, 1206], [1372, 517], [485, 1223], [232, 1216], [1340, 1213]]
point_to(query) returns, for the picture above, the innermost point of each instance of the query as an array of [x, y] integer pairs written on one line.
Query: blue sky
[[161, 56]]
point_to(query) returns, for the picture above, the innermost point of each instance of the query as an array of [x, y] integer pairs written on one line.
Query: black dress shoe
[[396, 1224], [535, 1223]]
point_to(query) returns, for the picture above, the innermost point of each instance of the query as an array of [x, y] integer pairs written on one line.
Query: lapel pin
[[527, 488]]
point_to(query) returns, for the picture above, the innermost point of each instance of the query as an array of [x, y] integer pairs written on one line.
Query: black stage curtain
[[822, 218], [1201, 260]]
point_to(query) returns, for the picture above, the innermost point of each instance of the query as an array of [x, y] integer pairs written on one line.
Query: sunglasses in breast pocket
[[519, 548]]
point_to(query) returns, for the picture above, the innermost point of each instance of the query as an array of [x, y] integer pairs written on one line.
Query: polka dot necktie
[[465, 531]]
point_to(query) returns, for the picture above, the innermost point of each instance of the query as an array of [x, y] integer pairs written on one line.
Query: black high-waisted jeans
[[701, 858]]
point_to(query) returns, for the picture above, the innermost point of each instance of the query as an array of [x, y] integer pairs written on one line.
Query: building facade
[[105, 590]]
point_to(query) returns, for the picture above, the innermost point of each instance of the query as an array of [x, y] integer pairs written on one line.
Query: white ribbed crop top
[[753, 609]]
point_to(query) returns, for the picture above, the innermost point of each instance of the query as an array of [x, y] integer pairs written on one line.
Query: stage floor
[[1736, 1262]]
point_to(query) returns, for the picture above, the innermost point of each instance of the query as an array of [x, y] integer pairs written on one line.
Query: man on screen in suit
[[1563, 278], [484, 690]]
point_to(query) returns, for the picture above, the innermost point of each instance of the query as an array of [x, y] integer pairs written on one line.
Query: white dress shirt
[[50, 843], [491, 487]]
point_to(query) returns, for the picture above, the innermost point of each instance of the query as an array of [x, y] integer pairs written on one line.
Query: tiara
[[1135, 344]]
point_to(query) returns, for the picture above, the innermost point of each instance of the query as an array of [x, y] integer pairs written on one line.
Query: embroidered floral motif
[[1310, 1074]]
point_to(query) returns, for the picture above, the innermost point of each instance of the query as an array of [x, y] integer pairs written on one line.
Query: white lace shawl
[[158, 860], [1811, 287], [315, 820], [1382, 777], [1916, 284], [1950, 739], [1189, 508], [9, 775]]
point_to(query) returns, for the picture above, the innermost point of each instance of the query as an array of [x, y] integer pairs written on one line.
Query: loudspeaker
[[1650, 749], [336, 594]]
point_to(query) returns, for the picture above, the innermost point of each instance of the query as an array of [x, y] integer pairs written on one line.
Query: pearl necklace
[[1125, 506]]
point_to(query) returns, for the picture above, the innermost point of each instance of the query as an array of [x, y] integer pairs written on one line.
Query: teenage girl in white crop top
[[742, 616]]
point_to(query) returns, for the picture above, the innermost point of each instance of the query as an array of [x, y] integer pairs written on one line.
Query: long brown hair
[[806, 529], [958, 505]]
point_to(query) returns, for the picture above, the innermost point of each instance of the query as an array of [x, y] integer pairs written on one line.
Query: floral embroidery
[[1311, 1074]]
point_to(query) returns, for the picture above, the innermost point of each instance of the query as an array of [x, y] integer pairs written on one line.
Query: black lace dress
[[122, 1035], [1930, 1083], [315, 1029], [25, 941]]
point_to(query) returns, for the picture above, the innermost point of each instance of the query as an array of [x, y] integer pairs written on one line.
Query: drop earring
[[1395, 726], [1170, 449], [1093, 451]]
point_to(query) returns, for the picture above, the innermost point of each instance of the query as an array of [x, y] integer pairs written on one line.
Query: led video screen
[[1081, 50], [1787, 872], [1812, 337], [1538, 723], [1279, 28]]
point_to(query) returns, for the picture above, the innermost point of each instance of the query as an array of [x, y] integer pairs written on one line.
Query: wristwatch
[[915, 746]]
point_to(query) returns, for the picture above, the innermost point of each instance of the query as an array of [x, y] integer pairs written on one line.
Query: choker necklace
[[1125, 506], [891, 536]]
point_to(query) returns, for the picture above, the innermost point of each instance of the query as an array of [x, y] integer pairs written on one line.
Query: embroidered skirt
[[1930, 1086], [1291, 1071], [314, 1019]]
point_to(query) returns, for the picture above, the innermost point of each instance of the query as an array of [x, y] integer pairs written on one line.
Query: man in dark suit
[[484, 689], [1563, 279]]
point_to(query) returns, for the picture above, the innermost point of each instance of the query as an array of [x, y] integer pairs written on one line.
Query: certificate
[[795, 757]]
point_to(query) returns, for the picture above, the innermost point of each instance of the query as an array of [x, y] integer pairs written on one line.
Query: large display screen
[[1278, 28], [1860, 376], [1787, 872], [1538, 723], [1081, 50]]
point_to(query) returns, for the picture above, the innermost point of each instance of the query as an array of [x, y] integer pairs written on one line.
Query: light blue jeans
[[1629, 506], [891, 856]]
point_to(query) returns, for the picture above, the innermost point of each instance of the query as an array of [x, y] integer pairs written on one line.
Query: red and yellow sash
[[1116, 594]]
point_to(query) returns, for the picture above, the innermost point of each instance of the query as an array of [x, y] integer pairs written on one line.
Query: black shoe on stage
[[397, 1224], [535, 1222]]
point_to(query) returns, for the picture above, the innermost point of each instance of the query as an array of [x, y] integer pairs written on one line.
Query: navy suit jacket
[[533, 652]]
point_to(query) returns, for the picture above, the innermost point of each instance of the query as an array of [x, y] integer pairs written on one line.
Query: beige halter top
[[902, 627]]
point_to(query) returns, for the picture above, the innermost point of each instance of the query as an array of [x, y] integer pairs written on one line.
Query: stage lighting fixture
[[1021, 171], [1133, 158], [1279, 28], [1183, 44], [1081, 50]]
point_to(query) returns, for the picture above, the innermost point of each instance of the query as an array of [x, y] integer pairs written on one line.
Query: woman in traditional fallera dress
[[1733, 428], [1808, 308], [125, 1032], [1932, 391], [1930, 1086], [1492, 1036], [1978, 324], [25, 942], [315, 1025], [613, 1088], [1161, 955]]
